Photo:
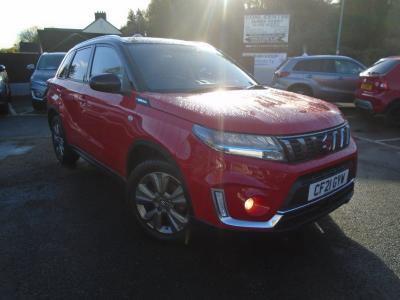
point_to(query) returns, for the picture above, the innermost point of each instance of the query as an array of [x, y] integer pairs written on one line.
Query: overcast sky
[[17, 15]]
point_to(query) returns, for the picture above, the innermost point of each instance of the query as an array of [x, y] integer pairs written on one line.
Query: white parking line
[[377, 142], [389, 140]]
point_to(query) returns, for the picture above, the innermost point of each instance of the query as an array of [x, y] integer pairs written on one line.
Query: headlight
[[263, 147]]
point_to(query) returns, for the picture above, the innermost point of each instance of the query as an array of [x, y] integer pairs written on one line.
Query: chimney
[[100, 14]]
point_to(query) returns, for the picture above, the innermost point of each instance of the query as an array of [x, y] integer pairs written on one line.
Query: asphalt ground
[[64, 234]]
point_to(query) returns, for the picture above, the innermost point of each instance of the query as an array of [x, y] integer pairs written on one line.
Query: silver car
[[329, 77]]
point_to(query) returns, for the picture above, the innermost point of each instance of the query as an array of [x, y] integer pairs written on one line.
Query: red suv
[[195, 138], [379, 92]]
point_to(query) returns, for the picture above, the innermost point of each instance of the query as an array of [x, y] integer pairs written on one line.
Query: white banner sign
[[270, 60], [266, 29]]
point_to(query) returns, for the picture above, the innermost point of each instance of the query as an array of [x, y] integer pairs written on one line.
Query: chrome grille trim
[[313, 145]]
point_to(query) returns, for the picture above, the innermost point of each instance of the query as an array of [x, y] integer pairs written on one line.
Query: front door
[[104, 115]]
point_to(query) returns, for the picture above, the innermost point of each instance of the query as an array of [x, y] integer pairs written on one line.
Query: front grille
[[310, 146]]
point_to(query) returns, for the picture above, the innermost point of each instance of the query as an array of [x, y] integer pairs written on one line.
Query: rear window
[[317, 65], [50, 62], [382, 67]]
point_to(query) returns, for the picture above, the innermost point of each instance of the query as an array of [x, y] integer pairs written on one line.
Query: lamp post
[[339, 37]]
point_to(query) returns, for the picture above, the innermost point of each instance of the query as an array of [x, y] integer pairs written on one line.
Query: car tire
[[302, 90], [158, 200], [64, 153], [392, 116]]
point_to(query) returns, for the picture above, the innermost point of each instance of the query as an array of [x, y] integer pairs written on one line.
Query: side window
[[106, 60], [304, 66], [317, 65], [79, 64], [347, 67], [63, 69]]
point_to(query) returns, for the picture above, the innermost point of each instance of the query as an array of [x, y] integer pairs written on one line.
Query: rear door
[[348, 73], [74, 103], [321, 76]]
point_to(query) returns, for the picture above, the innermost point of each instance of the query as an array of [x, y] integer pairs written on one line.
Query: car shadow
[[76, 240], [312, 262]]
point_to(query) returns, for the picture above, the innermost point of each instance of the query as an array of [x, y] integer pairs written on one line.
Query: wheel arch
[[51, 112], [142, 150], [301, 85]]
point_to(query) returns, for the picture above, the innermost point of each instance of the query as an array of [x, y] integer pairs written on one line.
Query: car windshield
[[382, 67], [184, 68], [50, 62]]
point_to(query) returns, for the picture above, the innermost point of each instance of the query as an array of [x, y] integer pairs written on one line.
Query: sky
[[18, 15]]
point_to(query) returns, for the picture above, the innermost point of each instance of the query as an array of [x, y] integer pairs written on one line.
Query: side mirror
[[2, 68], [108, 83], [30, 67]]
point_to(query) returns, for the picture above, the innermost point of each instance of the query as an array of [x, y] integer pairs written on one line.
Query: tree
[[29, 35], [136, 23], [370, 28]]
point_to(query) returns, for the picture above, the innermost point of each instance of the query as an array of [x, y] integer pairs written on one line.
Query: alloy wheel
[[161, 203], [58, 139]]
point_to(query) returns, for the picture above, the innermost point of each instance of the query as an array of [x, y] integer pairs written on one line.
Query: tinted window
[[50, 62], [317, 65], [186, 68], [79, 64], [106, 60], [347, 67], [383, 67], [63, 70]]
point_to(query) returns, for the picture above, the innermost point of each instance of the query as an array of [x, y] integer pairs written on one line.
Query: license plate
[[326, 186], [366, 86]]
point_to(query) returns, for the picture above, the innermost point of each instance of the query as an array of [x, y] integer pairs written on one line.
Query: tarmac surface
[[64, 234]]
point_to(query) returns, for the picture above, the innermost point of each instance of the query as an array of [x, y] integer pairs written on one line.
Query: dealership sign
[[266, 29]]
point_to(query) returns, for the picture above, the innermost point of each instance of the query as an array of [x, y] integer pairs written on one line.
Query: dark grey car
[[45, 69], [5, 92], [329, 77]]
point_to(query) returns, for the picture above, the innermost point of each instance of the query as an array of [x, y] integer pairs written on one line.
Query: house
[[63, 39]]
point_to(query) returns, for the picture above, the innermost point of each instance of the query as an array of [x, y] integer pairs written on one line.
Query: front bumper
[[279, 187], [295, 211], [38, 92]]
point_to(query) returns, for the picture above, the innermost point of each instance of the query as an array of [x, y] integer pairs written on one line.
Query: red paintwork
[[383, 98], [98, 124]]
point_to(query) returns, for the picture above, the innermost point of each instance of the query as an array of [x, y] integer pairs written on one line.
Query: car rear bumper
[[372, 102]]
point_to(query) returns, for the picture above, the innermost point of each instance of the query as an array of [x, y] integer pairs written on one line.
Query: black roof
[[115, 39]]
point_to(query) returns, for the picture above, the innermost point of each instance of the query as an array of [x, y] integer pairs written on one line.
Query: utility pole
[[339, 37]]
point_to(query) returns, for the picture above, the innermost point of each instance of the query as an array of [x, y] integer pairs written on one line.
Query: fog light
[[249, 204]]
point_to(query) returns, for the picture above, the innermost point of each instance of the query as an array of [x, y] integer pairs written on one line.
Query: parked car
[[5, 91], [195, 138], [45, 69], [328, 77], [379, 92]]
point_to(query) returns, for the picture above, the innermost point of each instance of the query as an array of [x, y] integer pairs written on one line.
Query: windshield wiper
[[256, 87]]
